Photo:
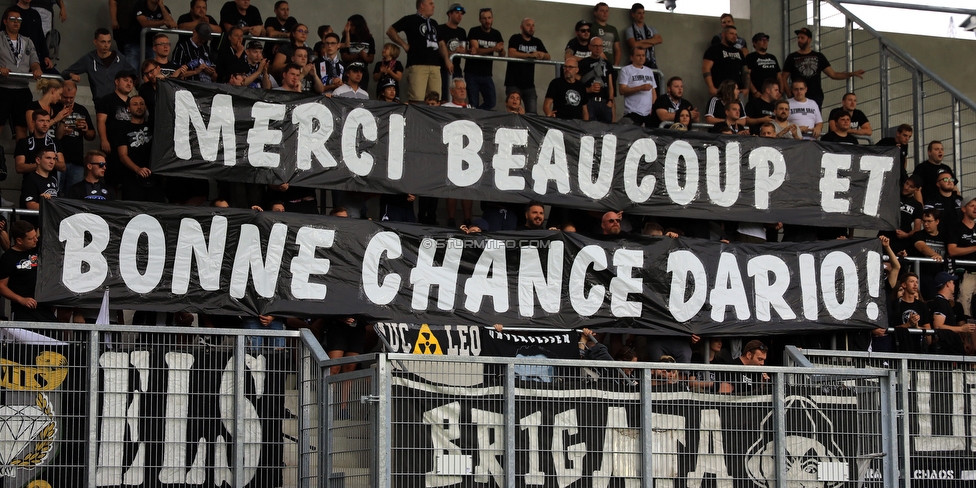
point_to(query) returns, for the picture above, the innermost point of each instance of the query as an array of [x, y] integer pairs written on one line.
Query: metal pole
[[786, 28], [883, 84], [239, 410], [849, 52], [889, 427], [957, 139], [384, 424], [647, 432], [816, 25], [510, 430], [92, 406], [910, 6], [918, 116], [904, 419], [779, 422], [304, 392]]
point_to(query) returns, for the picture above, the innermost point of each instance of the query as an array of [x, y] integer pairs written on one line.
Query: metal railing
[[658, 74], [933, 397], [140, 406], [438, 421], [896, 87], [183, 32]]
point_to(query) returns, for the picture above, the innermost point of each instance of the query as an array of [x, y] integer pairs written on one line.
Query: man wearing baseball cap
[[454, 39], [806, 64], [256, 75], [944, 319], [579, 46], [760, 64], [351, 89]]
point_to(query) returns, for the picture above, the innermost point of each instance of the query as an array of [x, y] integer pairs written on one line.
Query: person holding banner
[[18, 275]]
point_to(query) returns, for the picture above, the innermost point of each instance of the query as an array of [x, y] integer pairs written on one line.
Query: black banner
[[472, 340], [227, 261], [589, 435], [255, 136]]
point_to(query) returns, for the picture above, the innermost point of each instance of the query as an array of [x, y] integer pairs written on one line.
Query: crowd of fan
[[779, 101]]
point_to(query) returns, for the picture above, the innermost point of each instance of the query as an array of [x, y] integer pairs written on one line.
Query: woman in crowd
[[49, 101], [358, 45], [296, 40], [727, 91], [682, 120]]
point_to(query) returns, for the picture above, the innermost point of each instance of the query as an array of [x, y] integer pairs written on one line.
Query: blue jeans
[[481, 85], [256, 343]]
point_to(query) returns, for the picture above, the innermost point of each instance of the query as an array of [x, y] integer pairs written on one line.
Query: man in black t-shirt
[[841, 132], [723, 61], [111, 110], [133, 143], [946, 199], [93, 186], [520, 77], [40, 183], [567, 98], [931, 170], [424, 53], [242, 14], [860, 126], [77, 128], [962, 246], [279, 26], [930, 243], [578, 47], [806, 64], [598, 76], [454, 39], [150, 13], [762, 65], [944, 320], [903, 237], [664, 108], [25, 149], [18, 275], [484, 41], [763, 109]]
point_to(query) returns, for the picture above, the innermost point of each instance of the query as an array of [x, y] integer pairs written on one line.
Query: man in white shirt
[[459, 95], [805, 113], [639, 88], [354, 76]]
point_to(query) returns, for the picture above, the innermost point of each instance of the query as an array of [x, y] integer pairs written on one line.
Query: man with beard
[[93, 186], [931, 170], [535, 216], [962, 246], [578, 47], [452, 38], [133, 144], [723, 61], [610, 223], [77, 128], [946, 200], [26, 148], [806, 64], [566, 97], [598, 77], [763, 109], [665, 108], [520, 77], [484, 41], [784, 128], [761, 65]]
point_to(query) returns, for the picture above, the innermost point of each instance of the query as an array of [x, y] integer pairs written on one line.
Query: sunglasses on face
[[16, 19], [99, 164], [613, 221]]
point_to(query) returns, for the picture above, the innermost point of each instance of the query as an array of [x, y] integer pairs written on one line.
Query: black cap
[[388, 83], [456, 7], [126, 74], [804, 31], [356, 66], [760, 35], [582, 23], [254, 45], [942, 278]]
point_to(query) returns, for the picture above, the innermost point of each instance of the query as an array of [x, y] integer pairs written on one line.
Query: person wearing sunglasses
[[945, 199], [610, 224], [579, 46], [93, 187]]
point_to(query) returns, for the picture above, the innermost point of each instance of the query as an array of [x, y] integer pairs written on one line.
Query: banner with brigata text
[[255, 136], [243, 262]]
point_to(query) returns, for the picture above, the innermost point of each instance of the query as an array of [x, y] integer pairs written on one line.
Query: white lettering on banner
[[711, 452], [193, 245], [262, 135], [381, 291], [479, 285], [532, 424], [567, 459], [208, 136], [926, 440], [444, 277], [626, 260], [248, 261], [315, 126], [79, 254], [490, 446], [123, 423], [445, 428], [532, 282], [305, 264], [583, 304], [129, 253], [600, 188], [510, 160], [468, 340], [359, 163]]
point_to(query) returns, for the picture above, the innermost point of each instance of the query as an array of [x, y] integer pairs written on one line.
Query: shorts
[[14, 103], [422, 78], [347, 338]]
